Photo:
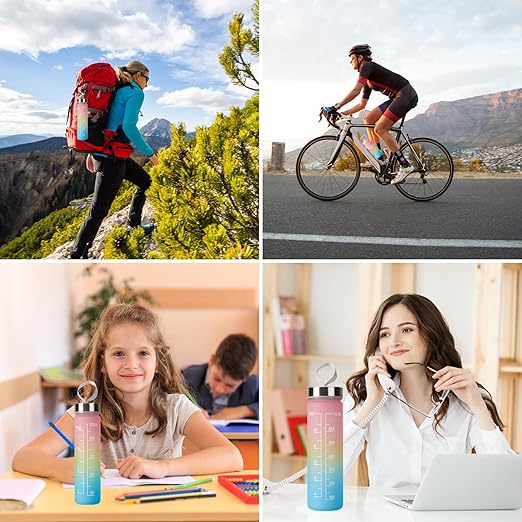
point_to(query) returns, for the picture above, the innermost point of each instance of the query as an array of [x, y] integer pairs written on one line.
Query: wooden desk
[[246, 443], [56, 504]]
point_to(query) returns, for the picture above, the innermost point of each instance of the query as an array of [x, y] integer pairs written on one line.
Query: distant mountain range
[[19, 139], [480, 121], [156, 132]]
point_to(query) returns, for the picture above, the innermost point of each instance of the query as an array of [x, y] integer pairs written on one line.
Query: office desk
[[288, 504], [56, 504]]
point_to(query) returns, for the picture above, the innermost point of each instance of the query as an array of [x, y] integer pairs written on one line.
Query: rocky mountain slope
[[480, 121], [35, 184]]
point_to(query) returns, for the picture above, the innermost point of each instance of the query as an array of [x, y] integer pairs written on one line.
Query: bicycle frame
[[346, 131]]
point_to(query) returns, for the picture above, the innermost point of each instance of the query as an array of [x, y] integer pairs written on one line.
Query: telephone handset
[[388, 384]]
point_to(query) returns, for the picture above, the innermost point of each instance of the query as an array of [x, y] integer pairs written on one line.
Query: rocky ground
[[120, 218]]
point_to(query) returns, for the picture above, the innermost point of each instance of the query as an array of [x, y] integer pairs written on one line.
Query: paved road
[[474, 219]]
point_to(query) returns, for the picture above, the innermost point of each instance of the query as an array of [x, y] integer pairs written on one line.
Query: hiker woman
[[111, 171]]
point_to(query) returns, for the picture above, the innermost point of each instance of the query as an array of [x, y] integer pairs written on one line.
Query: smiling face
[[130, 358], [400, 339]]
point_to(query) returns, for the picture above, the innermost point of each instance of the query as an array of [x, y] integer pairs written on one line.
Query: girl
[[110, 172], [410, 342], [144, 413]]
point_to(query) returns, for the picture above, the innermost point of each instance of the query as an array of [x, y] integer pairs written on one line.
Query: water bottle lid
[[326, 391], [86, 407]]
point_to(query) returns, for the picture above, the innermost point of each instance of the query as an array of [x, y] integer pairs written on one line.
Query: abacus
[[245, 487]]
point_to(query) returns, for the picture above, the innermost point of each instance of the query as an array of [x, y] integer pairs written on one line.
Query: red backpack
[[97, 84]]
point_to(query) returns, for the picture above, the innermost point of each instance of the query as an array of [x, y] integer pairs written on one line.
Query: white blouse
[[399, 453]]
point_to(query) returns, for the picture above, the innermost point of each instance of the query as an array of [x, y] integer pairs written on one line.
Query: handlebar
[[331, 117]]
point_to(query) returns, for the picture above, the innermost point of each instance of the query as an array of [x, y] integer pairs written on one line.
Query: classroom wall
[[34, 332], [192, 333]]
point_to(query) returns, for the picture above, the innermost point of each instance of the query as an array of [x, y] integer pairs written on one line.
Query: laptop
[[467, 482]]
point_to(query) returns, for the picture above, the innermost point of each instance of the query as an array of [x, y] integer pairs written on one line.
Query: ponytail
[[127, 72]]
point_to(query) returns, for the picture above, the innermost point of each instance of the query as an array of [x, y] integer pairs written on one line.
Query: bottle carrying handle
[[329, 378], [92, 396]]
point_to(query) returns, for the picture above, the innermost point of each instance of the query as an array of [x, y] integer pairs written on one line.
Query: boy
[[224, 387]]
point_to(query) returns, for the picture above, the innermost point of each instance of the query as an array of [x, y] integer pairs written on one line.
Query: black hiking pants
[[110, 173]]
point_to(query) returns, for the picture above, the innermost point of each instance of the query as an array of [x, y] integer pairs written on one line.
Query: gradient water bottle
[[325, 445], [82, 119], [87, 442]]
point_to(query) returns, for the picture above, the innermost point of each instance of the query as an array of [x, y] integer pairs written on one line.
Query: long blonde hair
[[167, 378], [127, 72]]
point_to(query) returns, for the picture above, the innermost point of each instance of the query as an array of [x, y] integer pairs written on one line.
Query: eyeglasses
[[146, 77], [436, 406]]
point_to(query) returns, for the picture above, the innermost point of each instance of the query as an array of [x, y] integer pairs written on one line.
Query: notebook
[[18, 494], [113, 479], [226, 422]]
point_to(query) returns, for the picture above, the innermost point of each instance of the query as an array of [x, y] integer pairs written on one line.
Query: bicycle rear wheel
[[433, 173], [321, 182]]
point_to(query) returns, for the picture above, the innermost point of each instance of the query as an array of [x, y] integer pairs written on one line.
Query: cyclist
[[403, 98]]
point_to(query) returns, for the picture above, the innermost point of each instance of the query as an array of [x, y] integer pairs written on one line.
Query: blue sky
[[447, 50], [43, 43]]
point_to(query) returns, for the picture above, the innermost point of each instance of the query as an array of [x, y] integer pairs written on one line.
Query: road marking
[[396, 241]]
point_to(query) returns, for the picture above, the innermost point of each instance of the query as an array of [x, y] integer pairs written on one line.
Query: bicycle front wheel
[[433, 170], [322, 181]]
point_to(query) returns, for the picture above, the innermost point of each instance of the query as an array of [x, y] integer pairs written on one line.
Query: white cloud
[[214, 8], [36, 26], [59, 67], [152, 88], [208, 100], [22, 113]]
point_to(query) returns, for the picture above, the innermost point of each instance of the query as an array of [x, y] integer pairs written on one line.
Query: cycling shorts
[[403, 102]]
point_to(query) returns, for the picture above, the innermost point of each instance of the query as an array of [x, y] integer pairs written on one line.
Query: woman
[[444, 410], [110, 172]]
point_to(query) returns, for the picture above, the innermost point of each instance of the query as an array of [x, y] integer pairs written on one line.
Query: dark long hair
[[434, 331]]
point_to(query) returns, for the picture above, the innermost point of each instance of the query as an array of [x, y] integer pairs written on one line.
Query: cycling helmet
[[361, 49]]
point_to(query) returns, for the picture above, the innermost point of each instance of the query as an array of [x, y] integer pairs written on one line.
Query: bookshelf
[[493, 332], [300, 364]]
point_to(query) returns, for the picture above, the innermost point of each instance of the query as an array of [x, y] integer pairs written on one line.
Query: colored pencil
[[167, 488], [159, 493], [163, 498], [62, 435]]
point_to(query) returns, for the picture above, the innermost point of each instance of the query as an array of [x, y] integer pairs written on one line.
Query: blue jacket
[[124, 113], [246, 395]]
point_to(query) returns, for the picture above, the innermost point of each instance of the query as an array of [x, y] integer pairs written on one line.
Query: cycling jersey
[[402, 95], [376, 77]]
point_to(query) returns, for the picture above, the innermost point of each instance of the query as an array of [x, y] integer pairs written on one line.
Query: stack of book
[[289, 420], [289, 326]]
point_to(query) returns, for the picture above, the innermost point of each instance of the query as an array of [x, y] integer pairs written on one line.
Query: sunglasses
[[146, 77], [437, 405]]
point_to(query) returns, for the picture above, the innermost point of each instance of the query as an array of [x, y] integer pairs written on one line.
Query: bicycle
[[329, 167]]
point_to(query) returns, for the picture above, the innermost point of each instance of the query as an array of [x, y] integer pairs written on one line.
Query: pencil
[[160, 493], [168, 488], [62, 435], [164, 498]]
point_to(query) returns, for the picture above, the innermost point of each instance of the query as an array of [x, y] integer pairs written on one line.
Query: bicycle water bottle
[[372, 147], [87, 445], [82, 119], [325, 445]]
